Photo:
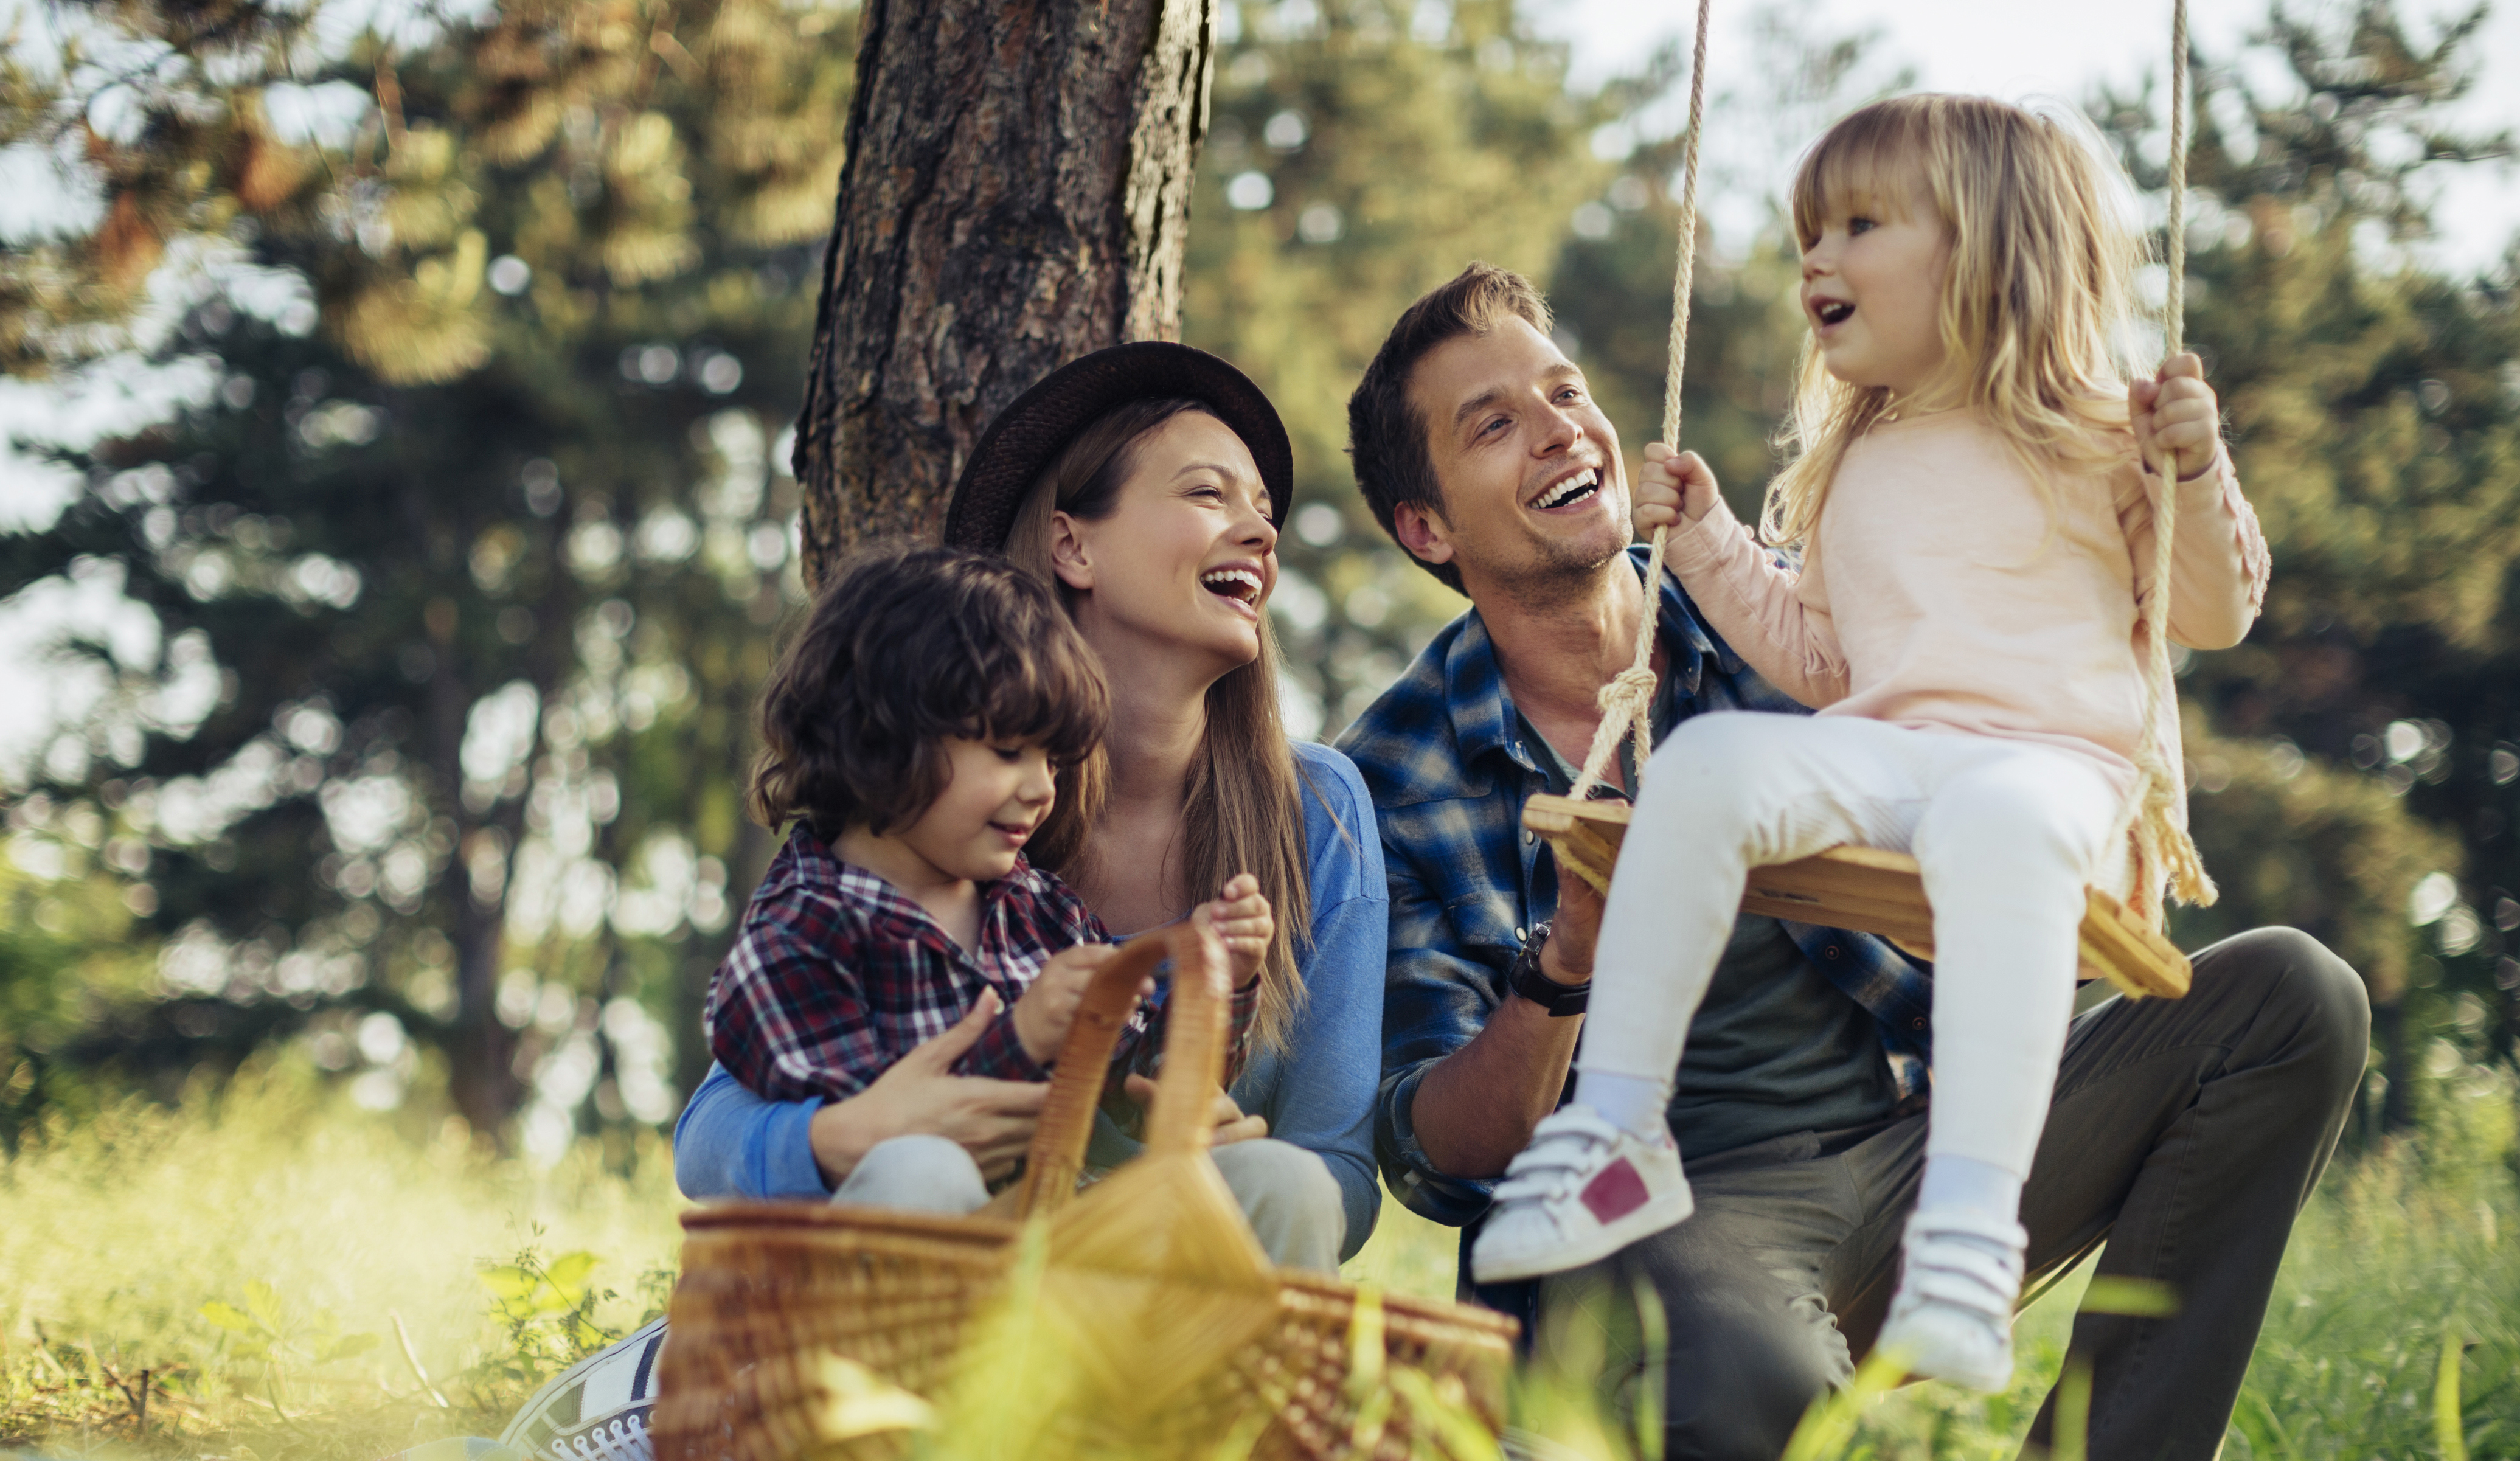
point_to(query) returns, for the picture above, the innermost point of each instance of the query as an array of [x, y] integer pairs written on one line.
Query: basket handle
[[1057, 1152], [1183, 1114]]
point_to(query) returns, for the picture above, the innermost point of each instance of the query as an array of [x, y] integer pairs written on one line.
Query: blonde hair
[[1241, 811], [2037, 310]]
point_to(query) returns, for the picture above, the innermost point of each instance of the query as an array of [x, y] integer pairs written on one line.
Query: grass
[[276, 1271]]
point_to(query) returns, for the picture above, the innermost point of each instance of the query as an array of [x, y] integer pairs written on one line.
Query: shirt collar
[[1484, 718], [897, 912]]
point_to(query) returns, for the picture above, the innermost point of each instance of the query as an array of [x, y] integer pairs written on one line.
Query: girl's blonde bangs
[[1870, 155]]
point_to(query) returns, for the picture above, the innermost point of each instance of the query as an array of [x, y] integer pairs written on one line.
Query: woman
[[1145, 481]]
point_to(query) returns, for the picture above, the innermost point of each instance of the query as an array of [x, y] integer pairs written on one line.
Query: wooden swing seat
[[1869, 892]]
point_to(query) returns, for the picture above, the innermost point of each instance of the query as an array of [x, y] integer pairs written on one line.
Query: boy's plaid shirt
[[837, 975], [1443, 752]]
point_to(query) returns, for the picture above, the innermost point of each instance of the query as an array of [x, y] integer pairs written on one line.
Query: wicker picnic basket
[[784, 1307]]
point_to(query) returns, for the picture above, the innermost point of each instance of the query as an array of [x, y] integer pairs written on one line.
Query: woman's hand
[[1049, 1004], [2175, 413], [1240, 917], [1672, 486], [992, 1120], [1232, 1126]]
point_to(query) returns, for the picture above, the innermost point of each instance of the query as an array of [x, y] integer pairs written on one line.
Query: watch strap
[[1525, 978]]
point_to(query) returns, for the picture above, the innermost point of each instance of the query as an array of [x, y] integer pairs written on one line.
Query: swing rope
[[2163, 848], [1627, 701]]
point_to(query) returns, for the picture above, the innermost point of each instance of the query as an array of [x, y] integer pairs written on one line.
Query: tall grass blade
[[2073, 1412], [1829, 1424], [2448, 1432]]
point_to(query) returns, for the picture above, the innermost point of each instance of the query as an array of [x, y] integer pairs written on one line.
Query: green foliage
[[547, 1310], [1392, 156], [2373, 418], [462, 558], [249, 1247]]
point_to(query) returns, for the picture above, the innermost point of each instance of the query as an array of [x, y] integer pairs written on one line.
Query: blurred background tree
[[461, 544], [428, 619]]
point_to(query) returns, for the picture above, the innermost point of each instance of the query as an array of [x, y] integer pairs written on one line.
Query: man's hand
[[1567, 957], [1049, 1005], [992, 1120], [1672, 486], [1241, 919], [1232, 1126], [2175, 413]]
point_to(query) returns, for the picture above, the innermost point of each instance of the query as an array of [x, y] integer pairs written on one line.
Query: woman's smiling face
[[1186, 558]]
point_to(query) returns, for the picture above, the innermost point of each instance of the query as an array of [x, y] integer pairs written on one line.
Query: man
[[2185, 1133]]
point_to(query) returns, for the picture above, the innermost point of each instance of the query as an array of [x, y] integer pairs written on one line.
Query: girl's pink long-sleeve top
[[1938, 592]]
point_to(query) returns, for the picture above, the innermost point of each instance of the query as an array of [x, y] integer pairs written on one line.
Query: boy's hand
[[1241, 919], [1049, 1004], [1673, 485], [1232, 1126], [2175, 413], [992, 1120]]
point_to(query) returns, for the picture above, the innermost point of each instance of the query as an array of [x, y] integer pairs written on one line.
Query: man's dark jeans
[[2188, 1133]]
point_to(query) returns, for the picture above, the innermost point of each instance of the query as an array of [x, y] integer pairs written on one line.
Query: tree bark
[[1017, 193]]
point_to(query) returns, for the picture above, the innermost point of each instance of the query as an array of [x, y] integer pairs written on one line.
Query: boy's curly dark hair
[[907, 644]]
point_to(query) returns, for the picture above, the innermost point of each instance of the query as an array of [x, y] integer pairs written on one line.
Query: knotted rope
[[2162, 847], [1627, 701]]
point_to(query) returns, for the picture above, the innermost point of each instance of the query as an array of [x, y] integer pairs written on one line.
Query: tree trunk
[[1017, 193]]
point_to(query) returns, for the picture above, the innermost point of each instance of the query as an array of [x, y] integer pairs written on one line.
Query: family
[[1059, 728]]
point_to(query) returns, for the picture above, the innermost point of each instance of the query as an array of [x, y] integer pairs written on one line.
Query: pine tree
[[2351, 784], [1360, 158], [476, 536]]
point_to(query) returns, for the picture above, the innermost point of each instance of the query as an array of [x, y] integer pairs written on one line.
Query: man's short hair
[[1386, 438], [906, 646]]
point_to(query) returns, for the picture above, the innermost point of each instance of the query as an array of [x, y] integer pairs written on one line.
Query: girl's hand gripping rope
[[1240, 917], [1673, 485], [2176, 412]]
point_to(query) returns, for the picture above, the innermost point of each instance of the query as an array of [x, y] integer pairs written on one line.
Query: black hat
[[1029, 435]]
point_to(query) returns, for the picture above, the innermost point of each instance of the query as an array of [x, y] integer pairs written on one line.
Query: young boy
[[912, 733]]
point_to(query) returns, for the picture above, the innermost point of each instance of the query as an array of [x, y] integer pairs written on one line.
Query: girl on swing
[[1975, 518]]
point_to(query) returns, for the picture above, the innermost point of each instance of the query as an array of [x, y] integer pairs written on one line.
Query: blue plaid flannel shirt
[[1443, 753]]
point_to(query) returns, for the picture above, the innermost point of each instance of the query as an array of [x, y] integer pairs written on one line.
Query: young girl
[[1975, 518]]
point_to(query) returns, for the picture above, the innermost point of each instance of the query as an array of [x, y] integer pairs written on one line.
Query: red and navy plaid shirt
[[837, 975]]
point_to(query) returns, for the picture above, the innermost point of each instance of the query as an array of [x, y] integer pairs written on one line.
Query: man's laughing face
[[1533, 492]]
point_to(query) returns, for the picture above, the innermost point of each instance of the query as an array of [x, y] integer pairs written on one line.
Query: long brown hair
[[2037, 311], [1241, 811]]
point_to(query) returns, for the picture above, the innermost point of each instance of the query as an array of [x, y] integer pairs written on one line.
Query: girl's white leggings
[[2007, 834]]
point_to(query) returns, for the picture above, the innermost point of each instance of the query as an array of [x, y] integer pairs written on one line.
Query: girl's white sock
[[1632, 1103], [1953, 1181]]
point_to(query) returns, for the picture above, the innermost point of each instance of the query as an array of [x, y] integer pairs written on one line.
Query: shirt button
[[1917, 1024], [1831, 951], [1518, 935], [1529, 837]]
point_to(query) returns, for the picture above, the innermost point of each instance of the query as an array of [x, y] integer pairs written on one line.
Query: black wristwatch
[[1525, 978]]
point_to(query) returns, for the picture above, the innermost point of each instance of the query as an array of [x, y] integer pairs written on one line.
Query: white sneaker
[[1582, 1190], [1952, 1318]]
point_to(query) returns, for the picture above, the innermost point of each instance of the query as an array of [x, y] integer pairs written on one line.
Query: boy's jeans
[[1287, 1193]]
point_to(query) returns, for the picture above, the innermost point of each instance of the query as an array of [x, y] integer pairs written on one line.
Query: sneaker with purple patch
[[1582, 1190], [597, 1409]]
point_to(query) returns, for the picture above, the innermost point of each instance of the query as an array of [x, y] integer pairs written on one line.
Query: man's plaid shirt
[[1444, 755], [837, 975]]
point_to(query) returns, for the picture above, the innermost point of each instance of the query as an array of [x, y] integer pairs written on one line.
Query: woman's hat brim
[[1029, 435]]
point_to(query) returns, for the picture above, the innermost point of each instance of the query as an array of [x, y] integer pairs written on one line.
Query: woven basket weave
[[779, 1302]]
